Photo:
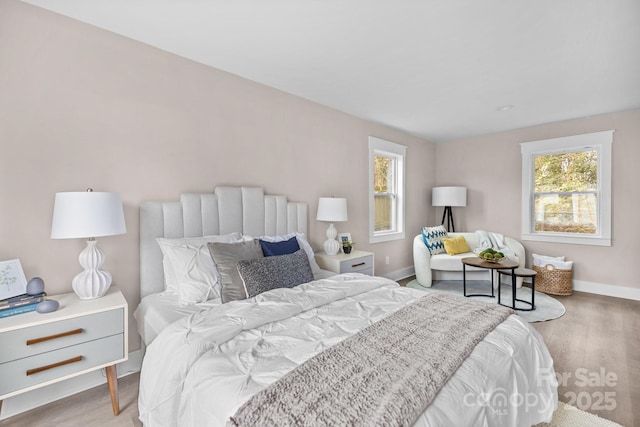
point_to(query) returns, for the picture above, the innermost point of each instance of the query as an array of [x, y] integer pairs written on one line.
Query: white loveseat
[[449, 267]]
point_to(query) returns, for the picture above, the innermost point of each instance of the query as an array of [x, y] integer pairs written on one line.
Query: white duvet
[[200, 369]]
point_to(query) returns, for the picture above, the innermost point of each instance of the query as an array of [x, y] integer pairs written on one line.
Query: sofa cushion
[[449, 262], [432, 237], [455, 245]]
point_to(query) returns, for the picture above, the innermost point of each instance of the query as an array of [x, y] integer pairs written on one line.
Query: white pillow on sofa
[[189, 270]]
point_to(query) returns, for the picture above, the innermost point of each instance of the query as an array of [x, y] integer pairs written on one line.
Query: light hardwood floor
[[596, 353], [597, 334], [91, 408]]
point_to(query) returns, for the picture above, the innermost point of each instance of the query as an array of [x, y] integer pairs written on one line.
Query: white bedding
[[201, 368], [157, 311]]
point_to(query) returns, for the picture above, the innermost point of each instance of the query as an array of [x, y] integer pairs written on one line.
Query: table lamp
[[331, 209], [448, 197], [88, 214]]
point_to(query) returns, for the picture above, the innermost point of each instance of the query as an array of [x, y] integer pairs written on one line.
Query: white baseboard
[[401, 274], [578, 285], [608, 290], [41, 396]]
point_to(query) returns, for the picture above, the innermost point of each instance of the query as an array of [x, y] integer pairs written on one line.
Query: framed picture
[[12, 279], [344, 237]]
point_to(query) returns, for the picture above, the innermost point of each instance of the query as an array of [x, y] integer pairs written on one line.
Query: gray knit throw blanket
[[385, 375]]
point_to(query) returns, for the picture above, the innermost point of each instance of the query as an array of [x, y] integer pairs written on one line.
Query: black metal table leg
[[533, 292], [492, 267], [464, 279], [529, 305], [513, 287], [492, 272]]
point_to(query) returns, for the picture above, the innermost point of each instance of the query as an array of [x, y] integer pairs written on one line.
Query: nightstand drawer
[[354, 262], [38, 339], [357, 265], [37, 369], [367, 271]]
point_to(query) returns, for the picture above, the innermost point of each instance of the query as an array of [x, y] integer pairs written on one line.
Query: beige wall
[[83, 107], [490, 166]]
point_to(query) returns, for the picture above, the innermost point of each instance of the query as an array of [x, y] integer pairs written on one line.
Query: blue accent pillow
[[285, 247], [432, 237]]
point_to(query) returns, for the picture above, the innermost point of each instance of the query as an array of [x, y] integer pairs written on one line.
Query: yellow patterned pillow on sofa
[[455, 245]]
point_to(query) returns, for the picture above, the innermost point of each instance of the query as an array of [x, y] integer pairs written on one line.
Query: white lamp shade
[[332, 209], [86, 214], [449, 196]]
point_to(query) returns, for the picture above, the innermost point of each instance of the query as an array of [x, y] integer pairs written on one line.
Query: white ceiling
[[439, 69]]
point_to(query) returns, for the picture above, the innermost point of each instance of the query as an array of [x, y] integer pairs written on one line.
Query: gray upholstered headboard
[[243, 209]]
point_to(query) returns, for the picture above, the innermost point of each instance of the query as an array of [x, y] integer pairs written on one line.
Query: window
[[566, 189], [386, 190]]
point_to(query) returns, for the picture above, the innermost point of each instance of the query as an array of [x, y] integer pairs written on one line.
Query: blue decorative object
[[285, 247], [47, 306], [35, 286], [432, 237]]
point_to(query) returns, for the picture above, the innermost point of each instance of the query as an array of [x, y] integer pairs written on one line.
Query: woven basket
[[553, 281]]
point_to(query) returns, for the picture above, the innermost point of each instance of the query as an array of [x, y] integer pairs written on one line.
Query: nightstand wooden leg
[[112, 380]]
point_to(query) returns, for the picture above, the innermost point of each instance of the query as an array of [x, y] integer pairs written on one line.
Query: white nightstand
[[355, 262], [80, 337]]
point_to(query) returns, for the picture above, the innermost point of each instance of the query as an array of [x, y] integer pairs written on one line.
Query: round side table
[[492, 266], [518, 272]]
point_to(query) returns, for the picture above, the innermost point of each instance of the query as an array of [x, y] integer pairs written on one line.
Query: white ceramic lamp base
[[92, 282], [331, 245]]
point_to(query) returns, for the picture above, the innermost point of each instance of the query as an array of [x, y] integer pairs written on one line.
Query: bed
[[214, 363]]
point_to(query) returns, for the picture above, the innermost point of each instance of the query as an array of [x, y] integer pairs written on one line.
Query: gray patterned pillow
[[226, 257], [280, 271]]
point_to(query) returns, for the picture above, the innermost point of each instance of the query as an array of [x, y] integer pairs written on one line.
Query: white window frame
[[600, 141], [379, 146]]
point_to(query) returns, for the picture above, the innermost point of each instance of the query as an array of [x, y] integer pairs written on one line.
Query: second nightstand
[[355, 262]]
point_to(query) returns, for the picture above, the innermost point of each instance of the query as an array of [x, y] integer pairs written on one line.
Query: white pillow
[[302, 242], [560, 265], [557, 258], [196, 276], [542, 260], [189, 270]]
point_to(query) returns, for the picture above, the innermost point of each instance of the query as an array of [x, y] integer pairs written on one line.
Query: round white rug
[[547, 307]]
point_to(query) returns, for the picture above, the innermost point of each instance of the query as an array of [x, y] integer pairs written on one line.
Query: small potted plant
[[347, 245]]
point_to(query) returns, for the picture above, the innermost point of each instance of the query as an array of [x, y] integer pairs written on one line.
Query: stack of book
[[20, 304]]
